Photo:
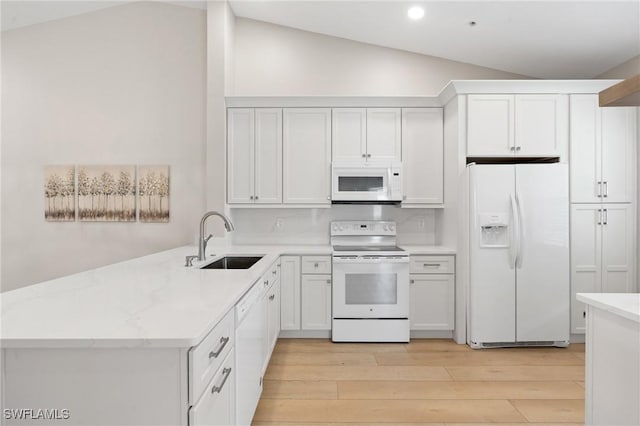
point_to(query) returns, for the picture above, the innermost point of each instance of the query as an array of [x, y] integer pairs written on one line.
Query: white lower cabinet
[[290, 292], [216, 405], [272, 312], [316, 302], [432, 294], [602, 253], [305, 293]]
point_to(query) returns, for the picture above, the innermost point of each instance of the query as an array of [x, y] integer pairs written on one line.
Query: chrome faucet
[[202, 246]]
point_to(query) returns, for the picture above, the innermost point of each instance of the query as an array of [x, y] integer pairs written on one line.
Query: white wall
[[123, 85], [272, 60]]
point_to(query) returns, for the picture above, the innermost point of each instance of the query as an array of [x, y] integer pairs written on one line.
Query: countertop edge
[[595, 300]]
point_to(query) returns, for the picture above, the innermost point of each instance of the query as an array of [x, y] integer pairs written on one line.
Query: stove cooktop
[[367, 248]]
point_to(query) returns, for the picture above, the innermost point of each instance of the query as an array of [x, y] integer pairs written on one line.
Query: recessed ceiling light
[[415, 13]]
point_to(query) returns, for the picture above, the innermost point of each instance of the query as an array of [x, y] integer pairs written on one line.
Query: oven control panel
[[363, 228]]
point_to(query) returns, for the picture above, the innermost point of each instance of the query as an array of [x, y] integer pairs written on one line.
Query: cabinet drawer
[[216, 406], [432, 265], [316, 264], [206, 358]]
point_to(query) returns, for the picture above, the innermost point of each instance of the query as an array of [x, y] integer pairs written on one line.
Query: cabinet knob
[[251, 197], [518, 148], [412, 281], [272, 297], [368, 155], [328, 281], [364, 155]]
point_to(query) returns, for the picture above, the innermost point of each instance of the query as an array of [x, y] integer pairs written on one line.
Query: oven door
[[370, 287], [361, 184]]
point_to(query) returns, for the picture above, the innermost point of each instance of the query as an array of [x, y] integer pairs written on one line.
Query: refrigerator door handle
[[514, 244], [521, 235]]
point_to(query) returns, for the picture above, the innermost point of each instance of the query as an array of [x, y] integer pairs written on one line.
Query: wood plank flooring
[[314, 382]]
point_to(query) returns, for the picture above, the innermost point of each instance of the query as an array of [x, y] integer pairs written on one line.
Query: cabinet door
[[307, 156], [423, 148], [316, 302], [268, 156], [274, 317], [290, 292], [432, 302], [490, 130], [240, 157], [618, 154], [216, 405], [586, 258], [618, 248], [540, 125], [349, 134], [585, 149], [384, 134]]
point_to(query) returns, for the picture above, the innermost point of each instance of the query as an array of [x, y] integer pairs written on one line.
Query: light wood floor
[[317, 382]]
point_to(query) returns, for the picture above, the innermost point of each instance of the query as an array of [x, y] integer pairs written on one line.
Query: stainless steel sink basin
[[233, 262]]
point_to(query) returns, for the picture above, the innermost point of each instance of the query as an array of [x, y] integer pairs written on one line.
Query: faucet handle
[[188, 260], [206, 240]]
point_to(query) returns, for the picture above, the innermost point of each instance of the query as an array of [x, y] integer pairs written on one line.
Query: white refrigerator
[[519, 269]]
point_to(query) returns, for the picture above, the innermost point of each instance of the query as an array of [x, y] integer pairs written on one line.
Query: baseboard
[[577, 338], [424, 334], [305, 334]]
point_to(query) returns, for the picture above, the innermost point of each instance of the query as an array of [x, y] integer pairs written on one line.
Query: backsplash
[[311, 226]]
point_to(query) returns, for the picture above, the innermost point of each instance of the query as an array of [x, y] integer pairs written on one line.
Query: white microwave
[[366, 183]]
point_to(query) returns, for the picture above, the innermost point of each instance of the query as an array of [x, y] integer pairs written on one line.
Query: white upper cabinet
[[490, 125], [307, 156], [366, 134], [383, 134], [540, 125], [423, 148], [241, 155], [349, 134], [521, 125], [268, 156], [602, 152], [254, 146]]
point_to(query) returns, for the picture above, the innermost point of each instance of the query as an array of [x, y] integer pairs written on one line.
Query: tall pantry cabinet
[[603, 210]]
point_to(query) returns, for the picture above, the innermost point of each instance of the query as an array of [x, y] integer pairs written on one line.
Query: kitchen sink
[[233, 262]]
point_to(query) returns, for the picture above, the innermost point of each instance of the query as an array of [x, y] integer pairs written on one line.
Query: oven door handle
[[361, 260]]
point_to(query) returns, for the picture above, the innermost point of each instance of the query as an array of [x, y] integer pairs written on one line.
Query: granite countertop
[[626, 305], [151, 301]]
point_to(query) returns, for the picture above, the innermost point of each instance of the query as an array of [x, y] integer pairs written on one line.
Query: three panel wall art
[[97, 193]]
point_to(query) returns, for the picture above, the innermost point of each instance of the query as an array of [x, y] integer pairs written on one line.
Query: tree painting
[[59, 193], [153, 193], [107, 193]]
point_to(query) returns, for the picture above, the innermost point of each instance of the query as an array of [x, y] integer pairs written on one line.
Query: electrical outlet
[[278, 223]]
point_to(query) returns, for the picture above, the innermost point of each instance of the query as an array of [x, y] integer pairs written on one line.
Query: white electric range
[[370, 283]]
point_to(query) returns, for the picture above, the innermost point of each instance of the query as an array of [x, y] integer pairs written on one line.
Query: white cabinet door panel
[[619, 139], [384, 134], [307, 156], [585, 149], [540, 125], [586, 258], [268, 156], [423, 152], [432, 302], [490, 129], [216, 406], [290, 292], [349, 134], [618, 241], [241, 155], [316, 302]]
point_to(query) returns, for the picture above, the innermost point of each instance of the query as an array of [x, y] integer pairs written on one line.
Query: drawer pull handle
[[223, 341], [431, 265], [266, 283], [315, 265], [412, 281], [218, 389], [273, 296], [274, 272]]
